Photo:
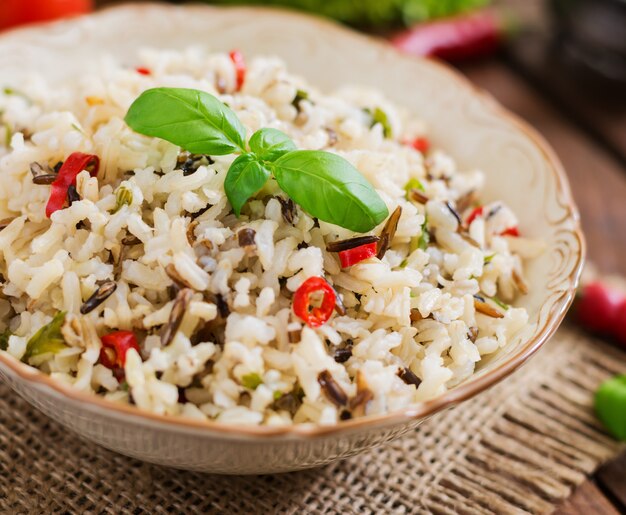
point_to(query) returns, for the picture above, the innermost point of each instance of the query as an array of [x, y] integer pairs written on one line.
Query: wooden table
[[590, 139]]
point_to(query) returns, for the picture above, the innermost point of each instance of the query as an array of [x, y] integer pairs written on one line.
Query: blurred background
[[559, 64]]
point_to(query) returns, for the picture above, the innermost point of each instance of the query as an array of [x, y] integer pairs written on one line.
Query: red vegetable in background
[[143, 71], [453, 39], [597, 309], [356, 255], [240, 67], [318, 315], [114, 348], [73, 165], [619, 329], [21, 12]]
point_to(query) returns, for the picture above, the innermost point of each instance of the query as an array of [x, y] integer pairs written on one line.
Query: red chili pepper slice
[[421, 144], [314, 316], [240, 67], [475, 214], [73, 165], [511, 231], [357, 254], [143, 71], [114, 348]]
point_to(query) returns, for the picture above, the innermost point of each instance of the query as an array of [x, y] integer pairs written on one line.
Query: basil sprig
[[324, 184]]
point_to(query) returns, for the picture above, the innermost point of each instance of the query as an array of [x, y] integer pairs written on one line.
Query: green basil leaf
[[329, 188], [191, 119], [4, 339], [270, 144], [47, 339], [610, 404], [245, 177]]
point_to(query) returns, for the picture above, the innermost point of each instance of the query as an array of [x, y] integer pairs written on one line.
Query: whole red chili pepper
[[453, 39], [240, 67], [73, 165], [319, 315], [357, 254], [114, 348]]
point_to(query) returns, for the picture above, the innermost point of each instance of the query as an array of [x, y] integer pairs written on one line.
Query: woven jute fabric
[[520, 447]]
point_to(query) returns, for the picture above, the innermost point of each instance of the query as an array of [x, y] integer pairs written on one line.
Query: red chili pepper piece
[[240, 67], [475, 214], [73, 165], [357, 254], [143, 71], [454, 39], [511, 231], [421, 144], [319, 315], [114, 348]]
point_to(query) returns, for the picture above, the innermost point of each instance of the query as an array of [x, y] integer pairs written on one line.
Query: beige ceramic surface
[[520, 169]]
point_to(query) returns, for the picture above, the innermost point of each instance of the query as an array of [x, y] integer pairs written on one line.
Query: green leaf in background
[[4, 339], [47, 339], [270, 144], [374, 12], [610, 402], [245, 177], [191, 119], [329, 188]]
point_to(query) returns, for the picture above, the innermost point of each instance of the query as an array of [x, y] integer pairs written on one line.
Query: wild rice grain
[[409, 377], [341, 245], [331, 389], [388, 232], [482, 307], [176, 316], [44, 179], [98, 297]]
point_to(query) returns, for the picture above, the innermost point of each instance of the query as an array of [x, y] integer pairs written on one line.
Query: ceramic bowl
[[520, 168]]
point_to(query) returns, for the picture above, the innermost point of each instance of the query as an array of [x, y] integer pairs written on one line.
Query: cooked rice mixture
[[150, 244]]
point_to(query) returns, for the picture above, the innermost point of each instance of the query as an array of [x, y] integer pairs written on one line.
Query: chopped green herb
[[503, 305], [8, 135], [124, 385], [47, 340], [404, 263], [489, 258], [77, 128], [251, 381], [11, 91], [379, 116], [300, 96], [413, 184], [8, 91], [123, 196], [424, 239], [277, 395], [4, 339], [610, 404]]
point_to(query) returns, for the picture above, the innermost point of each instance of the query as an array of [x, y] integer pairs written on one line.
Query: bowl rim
[[405, 415]]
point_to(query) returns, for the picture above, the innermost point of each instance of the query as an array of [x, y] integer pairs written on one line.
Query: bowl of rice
[[245, 240]]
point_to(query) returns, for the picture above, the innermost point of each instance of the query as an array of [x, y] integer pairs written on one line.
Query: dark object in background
[[590, 37], [376, 14], [454, 39]]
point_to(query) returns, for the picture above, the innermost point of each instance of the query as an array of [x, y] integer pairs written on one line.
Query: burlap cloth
[[520, 447]]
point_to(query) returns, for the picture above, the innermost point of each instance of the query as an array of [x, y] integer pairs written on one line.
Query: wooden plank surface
[[588, 500]]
